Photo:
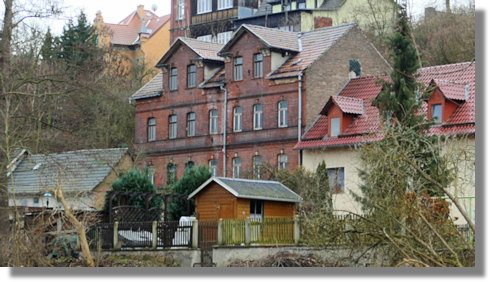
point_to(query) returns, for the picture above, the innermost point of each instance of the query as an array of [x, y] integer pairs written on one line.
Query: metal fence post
[[195, 234], [247, 231], [115, 237], [220, 231], [154, 225], [296, 230]]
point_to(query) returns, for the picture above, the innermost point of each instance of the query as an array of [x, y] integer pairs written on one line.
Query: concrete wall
[[177, 257]]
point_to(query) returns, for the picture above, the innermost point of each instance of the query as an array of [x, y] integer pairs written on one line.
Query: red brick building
[[270, 83]]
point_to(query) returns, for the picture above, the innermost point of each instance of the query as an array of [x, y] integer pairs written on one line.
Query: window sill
[[225, 8], [203, 12]]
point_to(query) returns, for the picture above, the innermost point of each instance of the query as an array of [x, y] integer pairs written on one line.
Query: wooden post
[[154, 233], [220, 231], [195, 234], [296, 230], [115, 237], [247, 231]]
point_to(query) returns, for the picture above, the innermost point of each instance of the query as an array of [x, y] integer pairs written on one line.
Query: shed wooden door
[[226, 209]]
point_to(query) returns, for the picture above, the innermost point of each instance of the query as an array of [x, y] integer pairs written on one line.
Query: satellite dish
[[154, 7]]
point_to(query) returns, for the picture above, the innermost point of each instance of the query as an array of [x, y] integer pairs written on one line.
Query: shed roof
[[253, 189], [76, 171]]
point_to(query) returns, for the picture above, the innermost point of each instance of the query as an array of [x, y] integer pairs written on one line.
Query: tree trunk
[[6, 39]]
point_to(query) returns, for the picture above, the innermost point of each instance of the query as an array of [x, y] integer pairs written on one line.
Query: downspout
[[300, 113], [225, 121]]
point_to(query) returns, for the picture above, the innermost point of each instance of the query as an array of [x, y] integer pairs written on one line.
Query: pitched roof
[[203, 49], [253, 189], [346, 104], [312, 44], [332, 5], [452, 90], [76, 171], [126, 32], [365, 127], [152, 88], [271, 37]]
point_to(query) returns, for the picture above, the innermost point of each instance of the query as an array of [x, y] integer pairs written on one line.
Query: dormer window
[[334, 127], [436, 113]]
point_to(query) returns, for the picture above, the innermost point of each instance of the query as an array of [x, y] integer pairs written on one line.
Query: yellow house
[[305, 15], [349, 120], [136, 43]]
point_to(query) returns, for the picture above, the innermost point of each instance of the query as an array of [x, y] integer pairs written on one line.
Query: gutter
[[225, 115], [300, 112]]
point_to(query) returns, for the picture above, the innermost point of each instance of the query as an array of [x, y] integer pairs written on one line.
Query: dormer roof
[[452, 90], [347, 105]]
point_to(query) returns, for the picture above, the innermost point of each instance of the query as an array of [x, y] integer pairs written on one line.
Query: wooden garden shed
[[227, 198]]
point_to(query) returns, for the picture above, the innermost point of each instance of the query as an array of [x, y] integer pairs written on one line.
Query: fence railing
[[123, 235], [269, 230]]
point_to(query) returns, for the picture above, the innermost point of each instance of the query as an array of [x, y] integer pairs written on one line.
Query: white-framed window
[[213, 121], [172, 126], [258, 65], [191, 124], [237, 119], [224, 37], [180, 9], [172, 84], [237, 167], [257, 166], [207, 38], [258, 120], [152, 129], [282, 161], [282, 114], [150, 171], [204, 6], [301, 4], [191, 76], [238, 69], [225, 4], [213, 167], [436, 112], [334, 127], [336, 179]]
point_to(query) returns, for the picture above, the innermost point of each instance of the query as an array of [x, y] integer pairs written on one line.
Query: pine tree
[[48, 48], [399, 99]]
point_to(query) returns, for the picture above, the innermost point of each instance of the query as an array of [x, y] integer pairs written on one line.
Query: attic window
[[436, 111], [334, 127], [354, 68]]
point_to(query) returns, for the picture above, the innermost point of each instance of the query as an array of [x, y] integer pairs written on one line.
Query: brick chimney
[[141, 11], [322, 22]]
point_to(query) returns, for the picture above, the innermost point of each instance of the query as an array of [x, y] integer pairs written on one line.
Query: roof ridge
[[82, 150], [247, 180]]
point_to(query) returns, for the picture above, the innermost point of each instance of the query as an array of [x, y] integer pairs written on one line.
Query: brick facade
[[319, 82]]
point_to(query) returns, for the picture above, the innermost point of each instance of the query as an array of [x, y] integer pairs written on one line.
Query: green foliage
[[192, 179], [133, 181], [399, 99]]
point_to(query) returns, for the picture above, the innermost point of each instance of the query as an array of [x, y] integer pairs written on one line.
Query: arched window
[[171, 173], [237, 119], [257, 166], [237, 167], [191, 124], [172, 126], [282, 114], [152, 129], [213, 121], [258, 119]]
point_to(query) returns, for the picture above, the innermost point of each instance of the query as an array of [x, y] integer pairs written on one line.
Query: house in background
[[228, 198], [139, 40], [305, 15], [236, 106], [350, 120], [84, 177]]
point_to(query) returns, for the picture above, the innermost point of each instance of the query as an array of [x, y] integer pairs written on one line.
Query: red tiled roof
[[365, 128], [452, 90], [312, 45], [126, 32], [346, 104]]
